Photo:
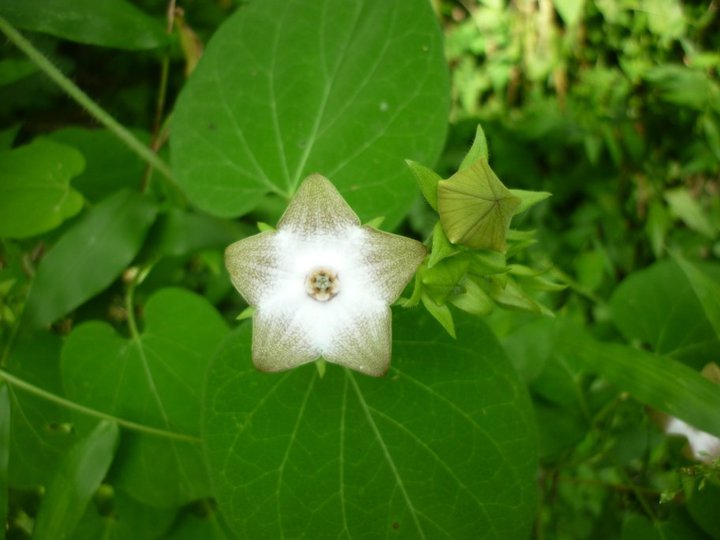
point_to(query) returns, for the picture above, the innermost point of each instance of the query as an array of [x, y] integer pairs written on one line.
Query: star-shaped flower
[[322, 284]]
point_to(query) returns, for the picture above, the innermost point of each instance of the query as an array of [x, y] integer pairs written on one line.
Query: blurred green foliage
[[614, 107]]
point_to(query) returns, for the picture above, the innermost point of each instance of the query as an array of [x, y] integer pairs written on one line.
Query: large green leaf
[[443, 447], [35, 192], [89, 256], [659, 307], [289, 88], [79, 475], [109, 23], [155, 380]]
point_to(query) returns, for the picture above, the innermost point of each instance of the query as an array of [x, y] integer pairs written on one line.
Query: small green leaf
[[473, 299], [478, 150], [657, 225], [89, 256], [444, 446], [476, 208], [442, 279], [264, 227], [689, 211], [427, 180], [509, 294], [155, 380], [109, 23], [79, 475], [246, 313], [369, 89], [441, 247], [35, 192], [528, 198], [441, 313]]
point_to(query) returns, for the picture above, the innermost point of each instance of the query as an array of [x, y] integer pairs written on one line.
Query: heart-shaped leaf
[[442, 447], [288, 88], [35, 192], [155, 380]]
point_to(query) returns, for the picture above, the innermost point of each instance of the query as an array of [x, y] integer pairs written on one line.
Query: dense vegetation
[[534, 375]]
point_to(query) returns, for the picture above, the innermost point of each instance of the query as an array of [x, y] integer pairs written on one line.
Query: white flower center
[[322, 284]]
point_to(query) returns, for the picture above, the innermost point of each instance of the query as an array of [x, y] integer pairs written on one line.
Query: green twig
[[32, 389], [42, 62]]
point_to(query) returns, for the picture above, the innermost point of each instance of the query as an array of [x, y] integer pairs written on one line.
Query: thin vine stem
[[17, 382], [158, 126], [122, 133]]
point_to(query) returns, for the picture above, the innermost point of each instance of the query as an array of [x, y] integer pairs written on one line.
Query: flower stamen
[[322, 284]]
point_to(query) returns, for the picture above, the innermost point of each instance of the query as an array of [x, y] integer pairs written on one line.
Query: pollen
[[322, 284]]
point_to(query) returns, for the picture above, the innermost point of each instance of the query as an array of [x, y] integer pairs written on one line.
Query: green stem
[[130, 308], [32, 389], [84, 100]]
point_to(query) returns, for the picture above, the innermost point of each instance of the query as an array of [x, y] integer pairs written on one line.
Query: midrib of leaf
[[329, 82], [386, 454], [17, 382], [293, 435], [156, 396], [341, 476], [470, 420], [273, 102], [360, 87], [422, 444], [238, 131], [372, 140]]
